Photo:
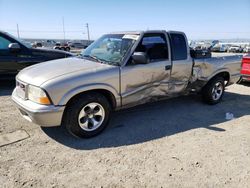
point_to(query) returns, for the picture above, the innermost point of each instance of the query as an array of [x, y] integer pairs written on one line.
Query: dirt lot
[[175, 143]]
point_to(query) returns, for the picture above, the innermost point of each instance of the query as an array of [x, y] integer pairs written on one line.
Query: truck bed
[[206, 68]]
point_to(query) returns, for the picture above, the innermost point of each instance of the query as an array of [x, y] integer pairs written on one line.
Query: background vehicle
[[49, 43], [77, 45], [64, 47], [37, 45], [246, 49], [201, 45], [235, 49], [117, 71], [219, 48], [16, 55]]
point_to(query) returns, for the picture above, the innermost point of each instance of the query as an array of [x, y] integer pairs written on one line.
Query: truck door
[[143, 82], [182, 63]]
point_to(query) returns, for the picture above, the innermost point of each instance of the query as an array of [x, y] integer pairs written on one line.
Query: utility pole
[[87, 26], [17, 28], [63, 30]]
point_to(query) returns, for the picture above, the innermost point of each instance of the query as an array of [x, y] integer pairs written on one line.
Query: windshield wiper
[[109, 62], [100, 60], [93, 57]]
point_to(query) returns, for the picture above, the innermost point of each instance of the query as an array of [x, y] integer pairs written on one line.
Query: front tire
[[87, 115], [213, 91]]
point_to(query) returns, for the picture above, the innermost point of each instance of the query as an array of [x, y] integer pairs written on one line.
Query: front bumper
[[43, 115]]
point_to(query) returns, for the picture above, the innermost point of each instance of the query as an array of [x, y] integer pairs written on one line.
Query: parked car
[[16, 55], [219, 48], [246, 49], [235, 49], [37, 45], [77, 45], [49, 43], [81, 92], [245, 70], [64, 47]]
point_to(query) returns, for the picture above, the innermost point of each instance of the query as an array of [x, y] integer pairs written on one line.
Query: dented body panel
[[207, 68], [144, 82]]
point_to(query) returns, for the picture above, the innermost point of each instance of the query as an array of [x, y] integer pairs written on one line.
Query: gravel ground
[[179, 142]]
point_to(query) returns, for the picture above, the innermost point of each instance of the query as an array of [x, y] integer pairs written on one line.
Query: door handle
[[168, 67]]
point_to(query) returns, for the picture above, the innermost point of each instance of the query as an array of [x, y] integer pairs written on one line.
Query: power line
[[44, 31], [87, 26]]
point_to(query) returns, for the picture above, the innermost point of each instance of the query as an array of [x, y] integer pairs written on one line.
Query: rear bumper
[[43, 115], [246, 77]]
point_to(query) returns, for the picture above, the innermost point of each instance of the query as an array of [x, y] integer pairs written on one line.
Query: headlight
[[38, 95]]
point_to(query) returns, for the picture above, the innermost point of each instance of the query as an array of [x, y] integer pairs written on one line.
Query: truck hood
[[43, 72]]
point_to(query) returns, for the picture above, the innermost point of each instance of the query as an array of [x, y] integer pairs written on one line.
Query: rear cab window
[[179, 46]]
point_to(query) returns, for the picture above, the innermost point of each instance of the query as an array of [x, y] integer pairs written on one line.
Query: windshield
[[110, 49]]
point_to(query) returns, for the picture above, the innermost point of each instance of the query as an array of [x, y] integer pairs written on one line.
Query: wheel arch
[[111, 95], [224, 74]]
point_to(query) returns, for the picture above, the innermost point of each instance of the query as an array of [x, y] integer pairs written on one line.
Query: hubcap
[[91, 116], [217, 91]]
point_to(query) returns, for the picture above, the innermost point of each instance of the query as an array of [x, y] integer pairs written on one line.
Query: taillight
[[245, 60], [245, 65]]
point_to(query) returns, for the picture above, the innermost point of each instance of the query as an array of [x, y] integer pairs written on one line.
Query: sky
[[199, 19]]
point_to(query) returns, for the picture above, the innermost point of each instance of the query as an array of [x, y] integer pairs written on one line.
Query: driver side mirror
[[140, 58], [14, 47]]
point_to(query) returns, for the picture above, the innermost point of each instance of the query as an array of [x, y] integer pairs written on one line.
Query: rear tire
[[87, 115], [213, 91]]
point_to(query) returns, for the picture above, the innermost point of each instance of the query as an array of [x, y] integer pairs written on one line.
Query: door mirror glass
[[14, 47], [140, 58]]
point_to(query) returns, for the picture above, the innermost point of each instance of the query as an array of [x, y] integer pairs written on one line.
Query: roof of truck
[[142, 31]]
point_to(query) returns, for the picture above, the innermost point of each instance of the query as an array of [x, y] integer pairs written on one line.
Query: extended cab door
[[182, 63], [143, 82]]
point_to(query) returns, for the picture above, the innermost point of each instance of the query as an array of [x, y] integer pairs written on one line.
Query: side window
[[155, 46], [4, 43], [179, 47]]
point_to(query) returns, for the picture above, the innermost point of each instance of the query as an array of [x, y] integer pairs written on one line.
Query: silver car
[[119, 70]]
